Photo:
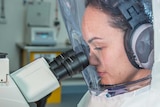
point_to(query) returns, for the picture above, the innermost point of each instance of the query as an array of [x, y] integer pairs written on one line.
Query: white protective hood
[[72, 12], [156, 25]]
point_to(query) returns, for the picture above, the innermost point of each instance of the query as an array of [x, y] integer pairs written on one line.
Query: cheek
[[106, 58], [113, 57]]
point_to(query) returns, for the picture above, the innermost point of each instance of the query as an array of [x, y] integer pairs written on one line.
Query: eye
[[98, 48]]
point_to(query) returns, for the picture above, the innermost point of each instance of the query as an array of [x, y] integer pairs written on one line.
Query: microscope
[[37, 79]]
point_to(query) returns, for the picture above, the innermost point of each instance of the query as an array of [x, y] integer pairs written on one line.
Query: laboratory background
[[31, 29], [26, 29]]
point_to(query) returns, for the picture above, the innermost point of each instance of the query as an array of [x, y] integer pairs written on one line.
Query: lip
[[101, 74]]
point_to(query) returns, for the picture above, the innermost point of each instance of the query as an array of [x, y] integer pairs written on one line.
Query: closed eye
[[98, 48]]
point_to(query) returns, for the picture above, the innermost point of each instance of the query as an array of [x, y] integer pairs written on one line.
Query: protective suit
[[114, 96]]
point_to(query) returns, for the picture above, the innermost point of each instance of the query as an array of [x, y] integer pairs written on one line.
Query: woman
[[123, 84], [105, 36], [120, 38]]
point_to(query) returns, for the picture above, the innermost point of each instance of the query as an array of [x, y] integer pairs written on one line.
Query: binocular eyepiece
[[68, 64]]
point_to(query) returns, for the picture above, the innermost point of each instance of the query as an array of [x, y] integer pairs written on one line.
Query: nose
[[93, 59]]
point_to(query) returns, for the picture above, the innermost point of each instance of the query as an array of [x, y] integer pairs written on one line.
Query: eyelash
[[98, 48]]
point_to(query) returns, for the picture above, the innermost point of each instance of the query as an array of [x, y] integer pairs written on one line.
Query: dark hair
[[111, 7], [118, 20]]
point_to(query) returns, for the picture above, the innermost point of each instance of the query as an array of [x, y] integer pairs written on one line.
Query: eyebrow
[[92, 39]]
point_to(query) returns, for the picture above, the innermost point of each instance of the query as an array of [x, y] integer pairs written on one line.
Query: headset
[[138, 40]]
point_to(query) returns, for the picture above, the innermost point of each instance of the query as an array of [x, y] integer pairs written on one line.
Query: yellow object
[[55, 96], [49, 55]]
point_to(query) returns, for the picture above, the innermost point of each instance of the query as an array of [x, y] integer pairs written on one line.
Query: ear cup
[[139, 46], [142, 45]]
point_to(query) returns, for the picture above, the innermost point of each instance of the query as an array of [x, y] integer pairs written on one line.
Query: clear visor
[[72, 12]]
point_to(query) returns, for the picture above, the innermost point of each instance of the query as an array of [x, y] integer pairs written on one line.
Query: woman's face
[[107, 51]]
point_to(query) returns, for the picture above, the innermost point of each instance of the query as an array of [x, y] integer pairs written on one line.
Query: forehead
[[93, 14], [95, 23]]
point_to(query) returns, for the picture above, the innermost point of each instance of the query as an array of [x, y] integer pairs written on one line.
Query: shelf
[[58, 47]]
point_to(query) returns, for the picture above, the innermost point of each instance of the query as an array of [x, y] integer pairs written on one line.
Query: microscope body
[[9, 92], [37, 79], [26, 85], [11, 95]]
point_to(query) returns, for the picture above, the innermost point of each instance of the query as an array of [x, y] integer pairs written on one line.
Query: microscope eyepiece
[[60, 58], [71, 65]]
